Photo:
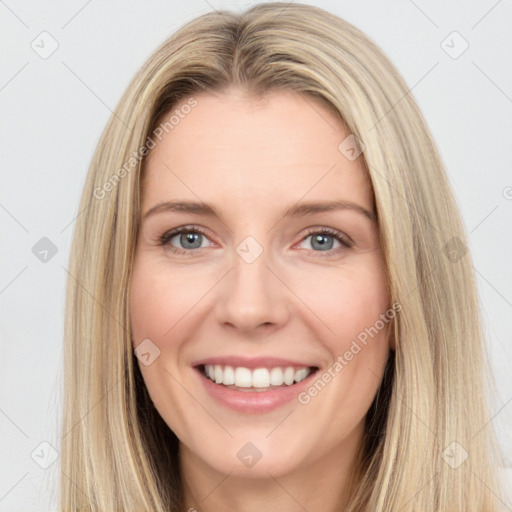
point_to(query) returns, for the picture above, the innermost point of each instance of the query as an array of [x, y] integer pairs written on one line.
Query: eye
[[322, 240], [190, 238]]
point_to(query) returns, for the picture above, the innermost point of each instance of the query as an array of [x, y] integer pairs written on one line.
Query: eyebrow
[[297, 210]]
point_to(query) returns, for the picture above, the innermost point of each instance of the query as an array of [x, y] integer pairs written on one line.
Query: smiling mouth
[[256, 380]]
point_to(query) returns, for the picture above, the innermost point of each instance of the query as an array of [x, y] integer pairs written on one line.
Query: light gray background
[[54, 109]]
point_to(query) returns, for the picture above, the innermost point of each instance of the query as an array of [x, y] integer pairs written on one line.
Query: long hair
[[429, 444]]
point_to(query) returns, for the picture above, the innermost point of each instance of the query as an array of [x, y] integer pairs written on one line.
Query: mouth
[[254, 385], [257, 380]]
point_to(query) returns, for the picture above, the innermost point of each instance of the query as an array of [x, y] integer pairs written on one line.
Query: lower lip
[[254, 402]]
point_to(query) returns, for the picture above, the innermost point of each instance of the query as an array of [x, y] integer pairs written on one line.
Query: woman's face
[[254, 294]]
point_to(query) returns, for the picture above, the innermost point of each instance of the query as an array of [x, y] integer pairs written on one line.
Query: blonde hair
[[117, 452]]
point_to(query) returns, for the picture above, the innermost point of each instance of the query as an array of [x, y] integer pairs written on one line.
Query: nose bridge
[[251, 294]]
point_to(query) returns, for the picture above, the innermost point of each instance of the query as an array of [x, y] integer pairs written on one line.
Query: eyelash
[[344, 240]]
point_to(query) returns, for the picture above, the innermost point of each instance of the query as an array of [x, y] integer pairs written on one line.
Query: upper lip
[[252, 362]]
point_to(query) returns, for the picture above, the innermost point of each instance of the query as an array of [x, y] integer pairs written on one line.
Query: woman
[[318, 346]]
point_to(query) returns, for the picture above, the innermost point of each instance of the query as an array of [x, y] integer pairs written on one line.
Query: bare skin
[[301, 299]]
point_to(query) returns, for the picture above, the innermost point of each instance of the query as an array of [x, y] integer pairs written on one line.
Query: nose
[[253, 297]]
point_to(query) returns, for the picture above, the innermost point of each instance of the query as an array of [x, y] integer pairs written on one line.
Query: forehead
[[240, 151]]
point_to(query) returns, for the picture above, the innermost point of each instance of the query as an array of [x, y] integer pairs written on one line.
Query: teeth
[[228, 376], [243, 378], [289, 376], [259, 378], [276, 376], [301, 374]]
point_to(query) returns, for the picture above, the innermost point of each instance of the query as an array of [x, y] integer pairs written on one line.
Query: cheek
[[345, 301], [160, 305], [348, 307], [341, 301], [160, 299]]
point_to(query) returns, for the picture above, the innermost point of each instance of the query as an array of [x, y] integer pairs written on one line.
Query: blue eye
[[323, 239], [191, 238]]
